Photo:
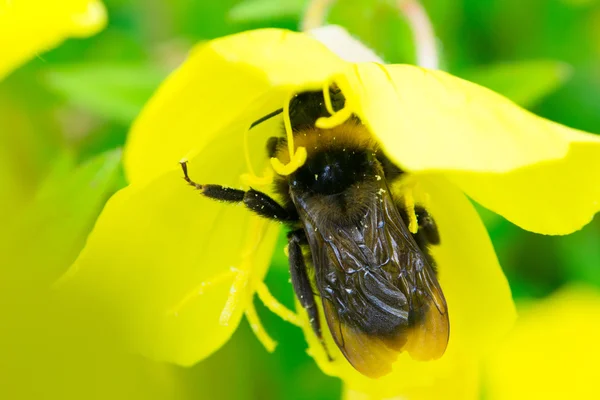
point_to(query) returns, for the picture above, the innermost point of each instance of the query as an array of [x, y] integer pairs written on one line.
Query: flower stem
[[415, 14], [315, 14], [423, 34]]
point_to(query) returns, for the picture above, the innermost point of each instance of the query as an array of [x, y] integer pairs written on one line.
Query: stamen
[[237, 292], [296, 161], [409, 204], [250, 178], [297, 156], [337, 117], [201, 289], [253, 180], [327, 98], [287, 122], [275, 306], [233, 300], [258, 329], [247, 154]]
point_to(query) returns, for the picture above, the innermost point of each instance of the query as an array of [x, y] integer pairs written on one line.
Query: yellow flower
[[553, 351], [47, 24], [184, 269]]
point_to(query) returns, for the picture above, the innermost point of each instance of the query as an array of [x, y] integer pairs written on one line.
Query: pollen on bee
[[316, 177], [378, 177]]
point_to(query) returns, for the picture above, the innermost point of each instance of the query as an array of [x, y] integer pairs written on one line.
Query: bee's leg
[[427, 225], [254, 200], [301, 283], [391, 170], [426, 235], [272, 144], [427, 232]]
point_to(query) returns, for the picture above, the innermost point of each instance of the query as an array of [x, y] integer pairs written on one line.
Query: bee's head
[[307, 107], [332, 159]]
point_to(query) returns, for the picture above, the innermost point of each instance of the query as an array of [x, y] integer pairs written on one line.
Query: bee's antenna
[[266, 117]]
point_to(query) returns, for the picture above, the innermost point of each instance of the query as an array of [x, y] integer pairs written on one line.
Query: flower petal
[[338, 40], [430, 120], [238, 78], [169, 258], [479, 298], [66, 204], [556, 197], [28, 27], [479, 302], [553, 351], [461, 383]]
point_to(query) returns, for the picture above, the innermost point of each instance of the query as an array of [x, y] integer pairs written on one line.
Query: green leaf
[[580, 253], [525, 83], [260, 10], [579, 3], [41, 241], [112, 91]]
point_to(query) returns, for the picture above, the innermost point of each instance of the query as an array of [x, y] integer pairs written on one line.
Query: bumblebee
[[348, 241]]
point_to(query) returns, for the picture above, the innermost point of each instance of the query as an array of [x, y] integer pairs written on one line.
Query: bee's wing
[[380, 295]]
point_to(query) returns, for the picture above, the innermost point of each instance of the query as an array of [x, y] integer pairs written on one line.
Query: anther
[[335, 119], [296, 161], [327, 98], [297, 156]]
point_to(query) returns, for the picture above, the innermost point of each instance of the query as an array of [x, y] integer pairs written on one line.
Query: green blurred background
[[63, 115]]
